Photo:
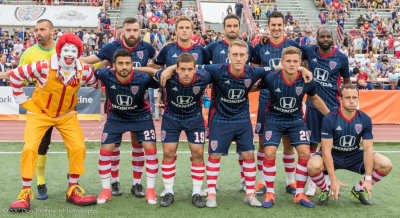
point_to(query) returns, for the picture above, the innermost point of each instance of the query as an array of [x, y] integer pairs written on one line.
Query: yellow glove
[[30, 106]]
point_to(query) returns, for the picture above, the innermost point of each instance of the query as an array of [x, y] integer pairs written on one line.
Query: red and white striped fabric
[[26, 183], [137, 162], [249, 170], [213, 167], [376, 177], [301, 175], [104, 164], [319, 180], [115, 159], [151, 163], [73, 179], [168, 169], [240, 160], [260, 160], [269, 174], [197, 171], [288, 162]]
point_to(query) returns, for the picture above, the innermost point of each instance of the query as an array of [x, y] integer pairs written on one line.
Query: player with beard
[[41, 51], [328, 65], [269, 55], [141, 52]]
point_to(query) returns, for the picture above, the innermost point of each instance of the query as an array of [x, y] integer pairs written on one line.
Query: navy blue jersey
[[327, 71], [218, 52], [230, 102], [170, 53], [141, 53], [184, 102], [346, 134], [127, 99], [286, 98], [269, 55]]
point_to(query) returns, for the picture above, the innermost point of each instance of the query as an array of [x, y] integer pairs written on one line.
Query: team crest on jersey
[[332, 65], [214, 145], [299, 90], [195, 55], [268, 135], [104, 137], [196, 89], [135, 89], [258, 127], [247, 82], [163, 134], [140, 54], [358, 128]]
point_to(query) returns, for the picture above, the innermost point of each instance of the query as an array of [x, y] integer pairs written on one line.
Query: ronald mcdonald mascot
[[52, 104]]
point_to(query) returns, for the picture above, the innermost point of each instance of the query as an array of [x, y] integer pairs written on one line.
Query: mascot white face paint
[[68, 56]]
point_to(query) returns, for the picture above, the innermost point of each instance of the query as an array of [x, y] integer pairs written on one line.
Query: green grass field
[[230, 200]]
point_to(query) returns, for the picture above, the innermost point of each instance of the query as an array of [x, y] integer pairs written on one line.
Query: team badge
[[140, 54], [135, 89], [247, 82], [258, 127], [195, 55], [214, 145], [268, 135], [196, 89], [163, 134], [29, 13], [299, 90], [358, 128], [104, 137], [332, 65]]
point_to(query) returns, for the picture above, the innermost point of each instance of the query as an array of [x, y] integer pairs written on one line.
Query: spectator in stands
[[356, 69], [344, 50], [360, 21], [257, 10], [390, 44], [288, 17], [362, 85], [392, 83], [358, 44], [3, 66], [362, 74], [322, 17], [18, 47], [92, 39], [238, 8], [297, 27], [383, 57], [313, 39], [154, 21], [229, 10], [396, 46], [384, 71], [308, 27], [85, 38]]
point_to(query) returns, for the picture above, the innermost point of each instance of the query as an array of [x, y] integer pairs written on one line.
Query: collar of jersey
[[277, 45], [347, 120], [286, 82], [194, 79], [130, 49], [330, 54], [236, 77], [185, 49]]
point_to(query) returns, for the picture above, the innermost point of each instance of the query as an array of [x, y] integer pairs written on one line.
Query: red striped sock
[[213, 166], [301, 175], [289, 164], [249, 169], [168, 169], [151, 163], [260, 159], [26, 183], [269, 174], [197, 171], [115, 157], [240, 160], [137, 162], [319, 180], [73, 179], [376, 177], [105, 164]]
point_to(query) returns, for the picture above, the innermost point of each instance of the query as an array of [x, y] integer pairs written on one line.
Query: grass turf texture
[[229, 199]]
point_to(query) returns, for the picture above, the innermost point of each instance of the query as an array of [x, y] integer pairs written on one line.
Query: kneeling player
[[342, 131], [183, 113], [284, 117], [125, 89]]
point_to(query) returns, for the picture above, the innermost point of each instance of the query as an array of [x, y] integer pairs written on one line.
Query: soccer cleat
[[211, 200], [323, 198], [167, 200], [252, 200], [42, 192], [116, 189], [303, 200], [75, 196], [361, 195], [104, 196], [151, 196], [243, 187], [312, 189], [261, 189], [22, 204], [137, 190], [269, 200], [291, 188], [197, 200]]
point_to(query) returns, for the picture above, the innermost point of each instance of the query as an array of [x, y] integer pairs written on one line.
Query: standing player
[[342, 131], [284, 116], [125, 88], [52, 104], [183, 113], [269, 55], [141, 52], [218, 54], [328, 66], [41, 51]]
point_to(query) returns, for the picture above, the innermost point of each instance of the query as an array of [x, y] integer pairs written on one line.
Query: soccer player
[[125, 89], [269, 55], [284, 116], [41, 51], [52, 104], [183, 113], [342, 131], [218, 54], [328, 66], [141, 52]]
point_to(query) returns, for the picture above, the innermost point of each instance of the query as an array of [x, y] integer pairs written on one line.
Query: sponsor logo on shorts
[[358, 128], [268, 135], [258, 127], [163, 135], [104, 137], [214, 145]]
